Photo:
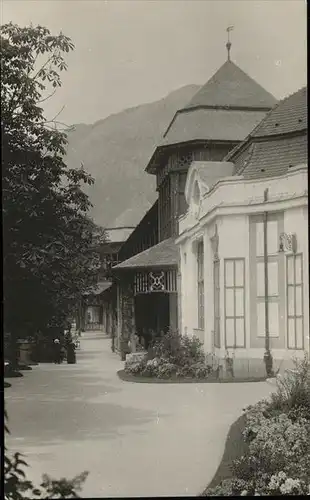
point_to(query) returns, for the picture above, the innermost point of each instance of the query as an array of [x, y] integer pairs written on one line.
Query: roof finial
[[228, 44]]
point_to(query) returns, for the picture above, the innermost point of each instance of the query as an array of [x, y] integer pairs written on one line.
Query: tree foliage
[[50, 243]]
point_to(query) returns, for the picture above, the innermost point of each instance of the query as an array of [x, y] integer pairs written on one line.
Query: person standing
[[67, 337], [57, 352], [71, 356]]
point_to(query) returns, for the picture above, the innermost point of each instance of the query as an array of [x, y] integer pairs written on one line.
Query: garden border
[[126, 377], [235, 447]]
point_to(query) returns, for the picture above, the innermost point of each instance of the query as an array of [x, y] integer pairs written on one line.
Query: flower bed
[[175, 358], [172, 357], [163, 369], [212, 378], [277, 442]]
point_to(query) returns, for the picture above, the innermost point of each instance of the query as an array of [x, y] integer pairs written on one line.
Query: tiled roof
[[163, 254], [274, 157], [232, 87], [278, 143], [289, 115], [226, 108], [211, 124]]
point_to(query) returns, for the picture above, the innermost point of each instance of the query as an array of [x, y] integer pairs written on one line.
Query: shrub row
[[160, 368]]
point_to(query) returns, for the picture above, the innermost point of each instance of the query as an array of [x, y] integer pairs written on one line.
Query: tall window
[[217, 315], [200, 283], [294, 294], [273, 277], [234, 303]]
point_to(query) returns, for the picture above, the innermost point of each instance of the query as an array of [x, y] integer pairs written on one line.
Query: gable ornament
[[288, 242], [157, 281]]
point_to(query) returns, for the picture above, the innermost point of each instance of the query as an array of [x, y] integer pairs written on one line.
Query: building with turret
[[218, 118], [244, 246]]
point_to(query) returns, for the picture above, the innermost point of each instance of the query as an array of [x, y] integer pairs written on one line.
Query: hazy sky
[[130, 52]]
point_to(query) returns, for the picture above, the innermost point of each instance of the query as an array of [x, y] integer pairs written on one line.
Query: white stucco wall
[[234, 243], [189, 287], [229, 204]]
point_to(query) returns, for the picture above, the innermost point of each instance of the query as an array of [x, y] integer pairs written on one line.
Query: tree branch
[[48, 97]]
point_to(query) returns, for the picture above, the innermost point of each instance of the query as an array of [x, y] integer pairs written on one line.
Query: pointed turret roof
[[230, 87], [225, 109]]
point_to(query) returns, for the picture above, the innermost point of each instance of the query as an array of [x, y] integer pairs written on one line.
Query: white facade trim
[[299, 200], [247, 196], [226, 211]]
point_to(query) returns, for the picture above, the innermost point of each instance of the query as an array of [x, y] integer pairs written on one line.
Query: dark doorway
[[152, 313]]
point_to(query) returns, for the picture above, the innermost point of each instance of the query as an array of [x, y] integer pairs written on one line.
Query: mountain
[[116, 150]]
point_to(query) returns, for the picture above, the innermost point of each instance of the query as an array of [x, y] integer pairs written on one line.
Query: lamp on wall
[[288, 242]]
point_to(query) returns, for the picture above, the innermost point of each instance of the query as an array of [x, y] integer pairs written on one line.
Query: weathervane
[[228, 44]]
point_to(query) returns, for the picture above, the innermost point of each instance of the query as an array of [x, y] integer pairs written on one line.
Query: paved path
[[135, 439]]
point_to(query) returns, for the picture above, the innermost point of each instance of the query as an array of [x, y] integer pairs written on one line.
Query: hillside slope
[[116, 150]]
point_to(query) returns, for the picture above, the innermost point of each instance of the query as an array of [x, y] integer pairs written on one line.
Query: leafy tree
[[50, 243]]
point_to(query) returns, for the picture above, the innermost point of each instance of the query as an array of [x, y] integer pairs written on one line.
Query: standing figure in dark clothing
[[67, 337], [71, 357], [57, 351], [67, 330]]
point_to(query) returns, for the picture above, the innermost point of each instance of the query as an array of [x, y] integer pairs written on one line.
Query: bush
[[279, 445], [277, 432], [197, 370], [277, 462], [150, 368], [178, 349], [170, 356], [166, 370], [293, 389], [135, 366]]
